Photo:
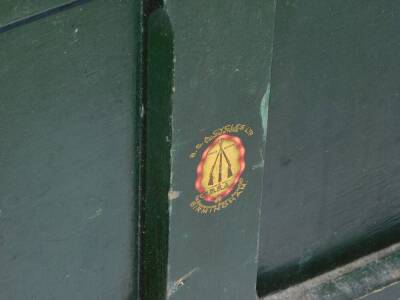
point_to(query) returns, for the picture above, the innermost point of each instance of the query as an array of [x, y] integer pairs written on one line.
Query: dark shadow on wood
[[156, 114]]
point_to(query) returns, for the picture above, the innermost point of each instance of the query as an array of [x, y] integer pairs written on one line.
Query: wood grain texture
[[67, 156]]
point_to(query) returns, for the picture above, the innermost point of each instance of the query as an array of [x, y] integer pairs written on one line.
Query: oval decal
[[221, 166]]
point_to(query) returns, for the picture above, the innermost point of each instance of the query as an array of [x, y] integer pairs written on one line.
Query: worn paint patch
[[264, 107], [97, 214], [261, 162], [177, 284], [172, 195]]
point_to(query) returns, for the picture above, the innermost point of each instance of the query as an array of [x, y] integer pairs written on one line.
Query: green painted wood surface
[[67, 155], [14, 10], [222, 53], [332, 181]]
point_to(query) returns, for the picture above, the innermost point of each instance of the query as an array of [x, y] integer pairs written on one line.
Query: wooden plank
[[67, 155], [333, 165], [219, 96]]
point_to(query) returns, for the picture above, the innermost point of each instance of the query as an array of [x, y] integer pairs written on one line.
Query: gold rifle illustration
[[221, 154]]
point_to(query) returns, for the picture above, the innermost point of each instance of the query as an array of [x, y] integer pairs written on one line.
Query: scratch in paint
[[174, 287]]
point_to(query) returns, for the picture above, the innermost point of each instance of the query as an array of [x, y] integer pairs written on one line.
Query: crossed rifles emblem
[[221, 156]]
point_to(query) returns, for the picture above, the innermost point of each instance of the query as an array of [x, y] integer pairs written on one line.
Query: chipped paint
[[97, 214], [264, 106], [176, 285], [258, 165], [172, 195], [141, 111]]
